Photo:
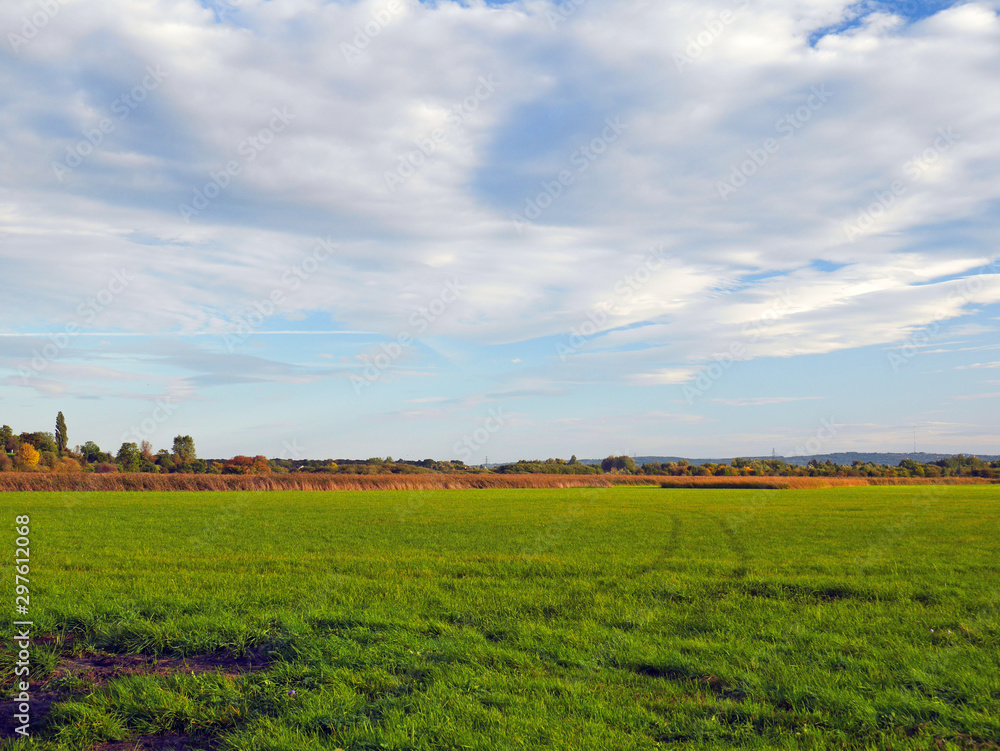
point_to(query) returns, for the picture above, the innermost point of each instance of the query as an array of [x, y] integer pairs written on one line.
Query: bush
[[66, 464]]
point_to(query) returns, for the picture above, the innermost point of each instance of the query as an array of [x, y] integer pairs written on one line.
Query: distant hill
[[845, 457]]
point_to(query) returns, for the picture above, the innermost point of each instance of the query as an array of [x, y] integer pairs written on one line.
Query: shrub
[[66, 464]]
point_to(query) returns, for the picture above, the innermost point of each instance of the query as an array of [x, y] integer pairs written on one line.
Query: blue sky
[[330, 229]]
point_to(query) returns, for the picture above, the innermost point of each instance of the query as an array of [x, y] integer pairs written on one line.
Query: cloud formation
[[627, 195]]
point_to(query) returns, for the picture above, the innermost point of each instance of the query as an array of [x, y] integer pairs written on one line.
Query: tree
[[27, 457], [129, 458], [146, 449], [6, 434], [238, 465], [92, 453], [618, 464], [61, 437], [165, 460], [41, 441], [184, 449]]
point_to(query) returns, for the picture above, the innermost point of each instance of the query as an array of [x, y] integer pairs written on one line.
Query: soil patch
[[148, 742]]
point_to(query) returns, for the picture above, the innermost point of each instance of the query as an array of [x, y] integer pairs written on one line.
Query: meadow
[[501, 619]]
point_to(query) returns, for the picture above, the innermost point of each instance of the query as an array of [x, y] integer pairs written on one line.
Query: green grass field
[[590, 619]]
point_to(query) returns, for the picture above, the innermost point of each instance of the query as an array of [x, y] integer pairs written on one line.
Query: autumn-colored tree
[[238, 465], [260, 466], [27, 457]]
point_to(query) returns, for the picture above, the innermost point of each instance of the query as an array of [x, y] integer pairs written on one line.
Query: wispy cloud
[[763, 401]]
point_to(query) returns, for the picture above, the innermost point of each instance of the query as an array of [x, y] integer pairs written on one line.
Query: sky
[[502, 230]]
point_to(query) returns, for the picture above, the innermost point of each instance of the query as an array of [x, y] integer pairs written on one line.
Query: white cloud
[[978, 365]]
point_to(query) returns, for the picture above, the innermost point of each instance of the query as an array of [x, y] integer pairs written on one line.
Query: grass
[[590, 618]]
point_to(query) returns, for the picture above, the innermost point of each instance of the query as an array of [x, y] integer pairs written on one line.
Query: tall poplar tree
[[61, 437]]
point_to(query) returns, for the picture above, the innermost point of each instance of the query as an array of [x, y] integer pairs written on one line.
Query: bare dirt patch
[[101, 668], [151, 742]]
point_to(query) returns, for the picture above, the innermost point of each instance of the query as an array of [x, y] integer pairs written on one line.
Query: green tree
[[61, 437], [92, 453], [6, 434], [184, 449], [165, 460], [129, 459], [41, 441], [618, 464]]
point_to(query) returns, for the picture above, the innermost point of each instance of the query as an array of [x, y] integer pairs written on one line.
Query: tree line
[[50, 452]]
